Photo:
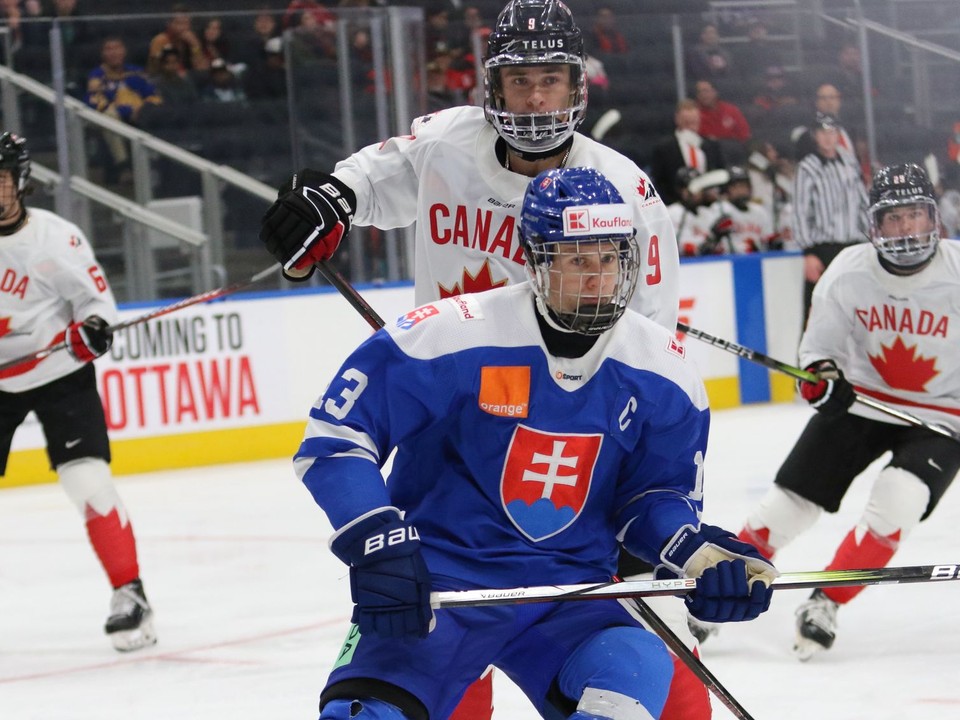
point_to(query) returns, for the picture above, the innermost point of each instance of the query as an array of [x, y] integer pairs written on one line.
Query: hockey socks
[[861, 548], [114, 544]]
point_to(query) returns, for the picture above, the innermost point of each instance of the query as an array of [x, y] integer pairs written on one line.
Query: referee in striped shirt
[[829, 204]]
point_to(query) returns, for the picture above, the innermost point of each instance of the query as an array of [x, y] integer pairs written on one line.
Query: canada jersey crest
[[546, 479]]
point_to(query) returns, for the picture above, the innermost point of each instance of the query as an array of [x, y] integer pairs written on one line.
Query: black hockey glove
[[719, 231], [89, 339], [833, 394], [389, 581], [733, 578], [312, 214]]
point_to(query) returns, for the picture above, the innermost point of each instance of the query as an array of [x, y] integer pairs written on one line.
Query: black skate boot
[[130, 625], [816, 625]]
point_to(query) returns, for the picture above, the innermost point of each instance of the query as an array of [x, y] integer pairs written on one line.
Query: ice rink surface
[[251, 608]]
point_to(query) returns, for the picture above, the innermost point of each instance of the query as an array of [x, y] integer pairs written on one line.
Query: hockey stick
[[806, 376], [690, 659], [352, 296], [165, 310], [681, 586]]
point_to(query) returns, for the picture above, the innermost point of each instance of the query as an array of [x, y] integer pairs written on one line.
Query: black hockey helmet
[[737, 173], [15, 157], [535, 32], [685, 174], [904, 217]]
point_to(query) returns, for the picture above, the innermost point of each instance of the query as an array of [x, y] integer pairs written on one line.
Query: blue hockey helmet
[[581, 249]]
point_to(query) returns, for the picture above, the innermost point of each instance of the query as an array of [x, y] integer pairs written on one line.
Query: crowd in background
[[728, 164]]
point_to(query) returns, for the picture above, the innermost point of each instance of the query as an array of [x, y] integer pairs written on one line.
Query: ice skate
[[816, 625], [701, 630], [130, 624]]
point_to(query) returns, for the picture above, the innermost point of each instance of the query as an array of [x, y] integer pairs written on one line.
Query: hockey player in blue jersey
[[537, 427]]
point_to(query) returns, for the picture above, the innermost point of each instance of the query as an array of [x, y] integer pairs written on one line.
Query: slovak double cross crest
[[546, 480]]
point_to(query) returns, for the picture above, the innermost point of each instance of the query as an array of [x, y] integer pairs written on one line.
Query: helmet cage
[[535, 132], [905, 251], [560, 295]]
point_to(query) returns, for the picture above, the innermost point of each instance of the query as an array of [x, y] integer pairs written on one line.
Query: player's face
[[906, 221], [535, 88], [9, 200], [583, 274]]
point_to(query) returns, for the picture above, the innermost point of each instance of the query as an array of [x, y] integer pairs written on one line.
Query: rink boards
[[233, 380]]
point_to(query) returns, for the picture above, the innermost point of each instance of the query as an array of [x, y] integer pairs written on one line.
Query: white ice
[[251, 607]]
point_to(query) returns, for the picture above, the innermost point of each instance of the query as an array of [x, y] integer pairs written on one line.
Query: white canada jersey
[[897, 339], [692, 228], [445, 176], [752, 227], [49, 278]]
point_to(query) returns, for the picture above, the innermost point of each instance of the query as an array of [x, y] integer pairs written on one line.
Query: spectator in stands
[[267, 78], [251, 42], [953, 144], [829, 204], [758, 53], [685, 147], [11, 16], [439, 95], [848, 77], [222, 85], [827, 101], [175, 86], [775, 92], [73, 30], [722, 121], [313, 32], [179, 37], [119, 90], [708, 59], [440, 38], [212, 42], [607, 38]]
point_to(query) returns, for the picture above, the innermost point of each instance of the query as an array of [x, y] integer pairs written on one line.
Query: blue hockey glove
[[389, 582], [833, 395], [733, 578]]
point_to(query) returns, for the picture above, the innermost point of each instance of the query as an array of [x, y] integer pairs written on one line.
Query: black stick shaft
[[796, 372], [352, 296], [691, 660]]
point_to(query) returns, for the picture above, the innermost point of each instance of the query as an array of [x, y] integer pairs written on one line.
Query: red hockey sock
[[477, 701], [688, 698], [871, 551], [114, 544], [759, 538]]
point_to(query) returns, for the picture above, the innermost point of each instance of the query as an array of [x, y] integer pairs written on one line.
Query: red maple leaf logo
[[901, 367], [4, 326], [483, 280]]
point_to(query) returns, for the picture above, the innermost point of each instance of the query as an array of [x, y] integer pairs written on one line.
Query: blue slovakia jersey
[[516, 467]]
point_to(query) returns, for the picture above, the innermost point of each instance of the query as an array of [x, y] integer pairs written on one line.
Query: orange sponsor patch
[[505, 391]]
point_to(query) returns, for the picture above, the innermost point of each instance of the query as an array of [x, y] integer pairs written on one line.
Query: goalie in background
[[884, 324], [569, 425], [53, 291]]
